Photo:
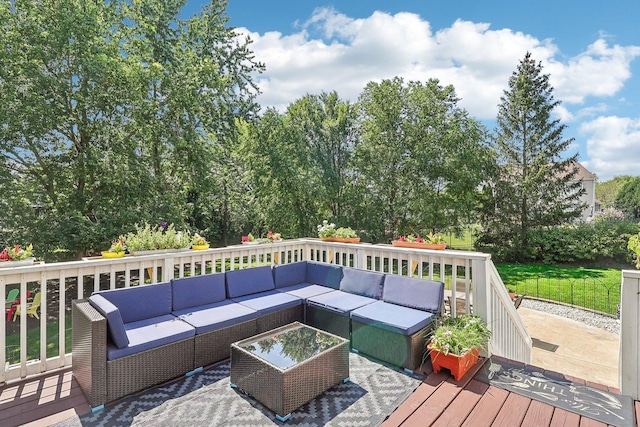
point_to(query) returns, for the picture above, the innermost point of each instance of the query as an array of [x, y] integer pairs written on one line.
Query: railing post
[[360, 258], [167, 269], [480, 280], [630, 334]]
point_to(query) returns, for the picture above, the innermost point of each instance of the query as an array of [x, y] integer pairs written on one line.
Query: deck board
[[513, 411], [562, 418], [538, 414], [487, 408], [462, 405]]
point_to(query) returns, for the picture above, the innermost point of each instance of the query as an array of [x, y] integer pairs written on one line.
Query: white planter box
[[21, 263]]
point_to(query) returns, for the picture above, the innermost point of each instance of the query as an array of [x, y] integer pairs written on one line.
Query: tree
[[418, 161], [607, 192], [534, 186], [628, 199], [111, 113]]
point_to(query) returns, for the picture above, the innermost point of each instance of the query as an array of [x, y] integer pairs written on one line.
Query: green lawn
[[33, 342], [592, 288]]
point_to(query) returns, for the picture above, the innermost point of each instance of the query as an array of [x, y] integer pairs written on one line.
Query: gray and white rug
[[206, 399]]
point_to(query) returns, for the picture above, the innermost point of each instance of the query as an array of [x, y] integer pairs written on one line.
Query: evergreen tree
[[534, 186]]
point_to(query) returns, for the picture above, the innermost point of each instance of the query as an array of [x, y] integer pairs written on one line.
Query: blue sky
[[590, 49]]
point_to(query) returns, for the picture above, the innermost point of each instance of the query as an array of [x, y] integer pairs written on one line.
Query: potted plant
[[146, 240], [199, 243], [329, 233], [456, 343], [249, 239], [15, 256], [274, 237], [430, 241], [117, 248]]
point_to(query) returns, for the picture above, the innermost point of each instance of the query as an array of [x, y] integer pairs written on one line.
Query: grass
[[592, 288], [33, 342]]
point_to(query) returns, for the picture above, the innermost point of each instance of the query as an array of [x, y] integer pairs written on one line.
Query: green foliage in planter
[[459, 335], [149, 238], [345, 233]]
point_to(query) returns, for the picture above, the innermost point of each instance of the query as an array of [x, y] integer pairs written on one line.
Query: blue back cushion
[[362, 282], [141, 302], [290, 274], [249, 281], [198, 290], [328, 275], [426, 295], [115, 325]]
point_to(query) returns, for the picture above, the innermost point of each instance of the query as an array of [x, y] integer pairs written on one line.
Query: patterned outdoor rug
[[610, 408], [206, 399]]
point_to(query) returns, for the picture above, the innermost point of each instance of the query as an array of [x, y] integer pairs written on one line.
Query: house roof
[[583, 174]]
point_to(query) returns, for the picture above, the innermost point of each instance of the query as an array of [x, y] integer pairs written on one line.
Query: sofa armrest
[[89, 360]]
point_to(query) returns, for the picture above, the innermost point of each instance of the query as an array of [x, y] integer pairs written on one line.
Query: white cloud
[[599, 71], [335, 52], [613, 145]]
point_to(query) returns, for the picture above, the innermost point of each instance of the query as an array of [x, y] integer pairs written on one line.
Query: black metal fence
[[585, 292]]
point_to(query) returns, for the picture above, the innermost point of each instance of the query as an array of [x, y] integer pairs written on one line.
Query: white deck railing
[[468, 275]]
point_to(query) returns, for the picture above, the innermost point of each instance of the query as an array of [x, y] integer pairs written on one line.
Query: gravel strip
[[592, 319]]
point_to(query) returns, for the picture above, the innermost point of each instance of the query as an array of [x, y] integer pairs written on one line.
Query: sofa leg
[[195, 371], [97, 409]]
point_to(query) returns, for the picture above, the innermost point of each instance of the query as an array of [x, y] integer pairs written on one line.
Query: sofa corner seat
[[140, 345], [396, 329], [331, 311]]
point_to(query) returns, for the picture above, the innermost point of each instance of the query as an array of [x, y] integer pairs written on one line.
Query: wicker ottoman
[[289, 366]]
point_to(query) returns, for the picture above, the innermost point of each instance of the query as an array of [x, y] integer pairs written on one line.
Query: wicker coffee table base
[[285, 390]]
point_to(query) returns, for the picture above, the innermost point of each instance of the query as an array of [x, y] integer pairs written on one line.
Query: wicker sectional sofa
[[129, 339]]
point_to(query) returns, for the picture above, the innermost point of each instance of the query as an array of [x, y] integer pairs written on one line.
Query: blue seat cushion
[[198, 290], [396, 318], [421, 294], [268, 302], [140, 302], [249, 281], [323, 274], [151, 333], [362, 282], [115, 325], [216, 316], [305, 290], [290, 274], [339, 301]]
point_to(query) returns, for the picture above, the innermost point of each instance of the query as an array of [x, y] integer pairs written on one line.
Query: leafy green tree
[[606, 192], [284, 196], [112, 113], [325, 124], [628, 199], [418, 161], [534, 186]]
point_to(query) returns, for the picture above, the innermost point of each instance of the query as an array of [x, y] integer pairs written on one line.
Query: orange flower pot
[[341, 239], [458, 365], [419, 245]]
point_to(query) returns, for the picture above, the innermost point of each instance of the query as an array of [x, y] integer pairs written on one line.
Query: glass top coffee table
[[289, 366]]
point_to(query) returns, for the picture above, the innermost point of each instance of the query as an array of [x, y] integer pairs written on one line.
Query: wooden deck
[[438, 401]]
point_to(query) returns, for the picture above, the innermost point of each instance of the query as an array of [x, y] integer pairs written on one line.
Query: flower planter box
[[200, 247], [106, 254], [341, 239], [21, 263], [157, 251], [419, 245], [458, 365]]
